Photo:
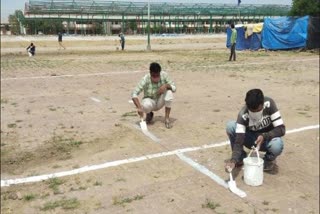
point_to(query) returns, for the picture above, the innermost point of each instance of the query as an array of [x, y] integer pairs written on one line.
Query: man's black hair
[[232, 25], [254, 98], [155, 68]]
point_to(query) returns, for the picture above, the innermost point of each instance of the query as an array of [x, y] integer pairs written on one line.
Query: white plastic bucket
[[253, 170]]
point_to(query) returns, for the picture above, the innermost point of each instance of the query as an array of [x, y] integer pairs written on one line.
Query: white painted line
[[95, 99], [148, 134], [72, 75], [302, 129], [203, 170], [126, 161], [258, 63]]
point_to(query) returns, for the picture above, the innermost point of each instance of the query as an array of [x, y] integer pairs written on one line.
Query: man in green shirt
[[233, 41], [158, 91]]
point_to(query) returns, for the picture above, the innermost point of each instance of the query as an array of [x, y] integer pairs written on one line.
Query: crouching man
[[259, 124], [158, 91]]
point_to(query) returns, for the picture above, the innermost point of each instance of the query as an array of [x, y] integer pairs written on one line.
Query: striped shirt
[[149, 88], [271, 118]]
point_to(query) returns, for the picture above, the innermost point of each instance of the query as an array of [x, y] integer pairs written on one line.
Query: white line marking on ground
[[257, 63], [95, 99], [125, 161], [203, 170], [302, 129], [148, 134], [72, 75]]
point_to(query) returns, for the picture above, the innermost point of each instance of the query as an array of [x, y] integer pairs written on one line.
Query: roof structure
[[141, 8]]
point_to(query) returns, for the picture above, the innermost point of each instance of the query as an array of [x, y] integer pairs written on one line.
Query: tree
[[14, 22], [305, 7]]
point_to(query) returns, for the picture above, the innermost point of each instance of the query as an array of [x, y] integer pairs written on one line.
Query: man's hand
[[162, 89], [230, 164], [259, 141], [140, 112]]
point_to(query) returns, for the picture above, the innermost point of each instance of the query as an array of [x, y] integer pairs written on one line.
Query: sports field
[[66, 119]]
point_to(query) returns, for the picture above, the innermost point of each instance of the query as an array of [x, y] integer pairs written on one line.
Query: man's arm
[[278, 131], [138, 105], [170, 85], [237, 147], [136, 93]]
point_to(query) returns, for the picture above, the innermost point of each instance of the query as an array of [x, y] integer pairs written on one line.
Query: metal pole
[[148, 46]]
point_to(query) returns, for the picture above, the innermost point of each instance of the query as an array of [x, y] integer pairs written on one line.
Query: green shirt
[[149, 88], [233, 36]]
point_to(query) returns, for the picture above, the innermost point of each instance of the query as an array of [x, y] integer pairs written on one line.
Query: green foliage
[[122, 202], [210, 204], [130, 114], [65, 204], [305, 7], [54, 184], [14, 23], [29, 197], [45, 26]]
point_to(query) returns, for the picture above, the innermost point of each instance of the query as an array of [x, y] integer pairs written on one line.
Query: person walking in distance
[[233, 40], [60, 41], [122, 40]]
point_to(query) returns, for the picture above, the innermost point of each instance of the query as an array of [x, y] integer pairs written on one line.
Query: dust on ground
[[51, 121]]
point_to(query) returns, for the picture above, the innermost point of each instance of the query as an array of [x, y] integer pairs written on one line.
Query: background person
[[233, 41], [31, 50], [60, 41], [158, 91], [122, 41], [259, 124]]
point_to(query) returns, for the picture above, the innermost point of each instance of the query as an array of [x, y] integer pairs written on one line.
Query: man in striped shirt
[[259, 124], [158, 91]]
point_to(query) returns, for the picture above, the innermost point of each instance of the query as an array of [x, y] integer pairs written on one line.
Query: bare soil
[[51, 121]]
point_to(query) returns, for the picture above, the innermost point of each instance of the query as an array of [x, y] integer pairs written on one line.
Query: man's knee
[[275, 146], [231, 128], [168, 98], [147, 105]]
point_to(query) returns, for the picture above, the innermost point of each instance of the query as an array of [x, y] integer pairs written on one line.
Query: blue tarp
[[253, 42], [284, 33]]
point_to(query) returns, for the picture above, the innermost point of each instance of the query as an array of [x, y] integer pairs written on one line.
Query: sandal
[[168, 124]]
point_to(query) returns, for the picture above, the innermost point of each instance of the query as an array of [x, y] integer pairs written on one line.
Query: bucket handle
[[256, 149]]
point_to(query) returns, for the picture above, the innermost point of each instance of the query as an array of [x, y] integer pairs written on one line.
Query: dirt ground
[[66, 109]]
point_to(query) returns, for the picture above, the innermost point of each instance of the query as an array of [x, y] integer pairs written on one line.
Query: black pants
[[233, 52], [122, 45]]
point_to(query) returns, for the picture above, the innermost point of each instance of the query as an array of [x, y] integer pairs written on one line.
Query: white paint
[[95, 99], [302, 129], [234, 189], [148, 133], [203, 170], [125, 161], [72, 75]]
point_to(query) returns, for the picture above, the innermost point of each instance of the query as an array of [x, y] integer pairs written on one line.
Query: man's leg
[[122, 45], [166, 100], [230, 53], [234, 53], [273, 149], [148, 106]]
